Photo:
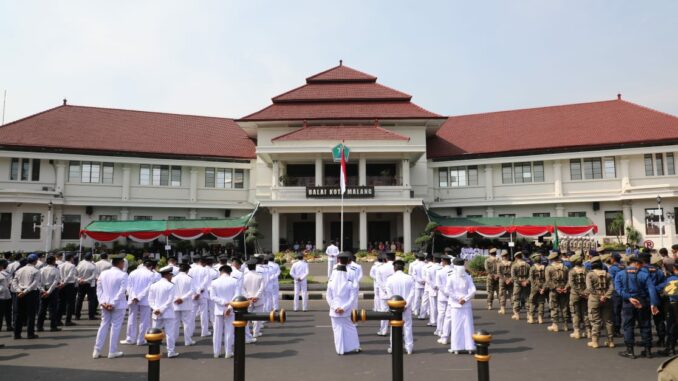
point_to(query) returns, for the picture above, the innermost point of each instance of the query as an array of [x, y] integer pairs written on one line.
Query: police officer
[[492, 282], [639, 300], [538, 290], [670, 289], [614, 267], [654, 265], [520, 272]]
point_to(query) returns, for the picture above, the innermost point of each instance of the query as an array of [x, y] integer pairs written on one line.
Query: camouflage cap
[[504, 253], [518, 254], [657, 260], [575, 258], [553, 255], [604, 257], [595, 259], [535, 256], [493, 250]]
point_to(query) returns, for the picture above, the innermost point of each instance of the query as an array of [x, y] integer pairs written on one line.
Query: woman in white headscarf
[[340, 296], [460, 290]]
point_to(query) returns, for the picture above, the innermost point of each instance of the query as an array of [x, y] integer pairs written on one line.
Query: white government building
[[71, 165]]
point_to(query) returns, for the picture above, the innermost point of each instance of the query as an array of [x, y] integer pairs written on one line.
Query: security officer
[[505, 281], [492, 281], [639, 300], [26, 283], [520, 273], [654, 265], [538, 290], [670, 289], [556, 281], [576, 282], [600, 288], [50, 280], [614, 267]]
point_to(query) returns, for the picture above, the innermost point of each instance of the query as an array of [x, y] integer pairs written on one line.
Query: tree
[[617, 226], [253, 235], [427, 238], [633, 236]]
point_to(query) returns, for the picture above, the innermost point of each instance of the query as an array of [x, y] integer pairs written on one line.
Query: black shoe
[[70, 324], [628, 353], [647, 353], [10, 329], [18, 337], [55, 329], [31, 337]]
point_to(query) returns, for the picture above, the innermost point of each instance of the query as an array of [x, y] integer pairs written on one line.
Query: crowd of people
[[598, 293]]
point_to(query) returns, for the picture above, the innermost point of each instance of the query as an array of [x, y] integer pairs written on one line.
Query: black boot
[[660, 342], [647, 353], [629, 352]]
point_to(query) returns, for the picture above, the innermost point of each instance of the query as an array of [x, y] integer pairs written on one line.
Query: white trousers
[[432, 308], [416, 305], [447, 322], [223, 333], [423, 308], [301, 288], [383, 326], [137, 330], [169, 327], [202, 309], [111, 323], [408, 339], [375, 302], [257, 325], [440, 319], [345, 335], [331, 261], [187, 319], [275, 297]]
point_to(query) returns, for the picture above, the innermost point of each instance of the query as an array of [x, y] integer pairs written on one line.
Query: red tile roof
[[113, 130], [354, 132], [341, 93], [567, 127]]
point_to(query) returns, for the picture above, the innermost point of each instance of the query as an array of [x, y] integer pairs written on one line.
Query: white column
[[126, 178], [319, 230], [193, 193], [626, 211], [276, 174], [560, 210], [489, 183], [557, 179], [318, 172], [362, 230], [193, 214], [406, 172], [124, 214], [407, 230], [60, 176], [362, 171], [624, 174], [489, 212], [275, 231], [58, 215]]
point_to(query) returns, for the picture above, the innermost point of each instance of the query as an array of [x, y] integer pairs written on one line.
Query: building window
[[74, 171], [238, 178], [176, 218], [144, 174], [506, 174], [224, 178], [654, 218], [27, 231], [576, 214], [108, 217], [22, 169], [609, 169], [593, 169], [660, 164], [5, 225], [159, 175], [442, 177], [71, 228], [507, 215], [649, 168], [609, 217], [175, 179], [474, 216], [538, 171], [90, 172], [522, 173], [458, 176], [473, 175], [209, 178], [670, 164], [107, 173], [541, 214], [575, 169], [143, 218]]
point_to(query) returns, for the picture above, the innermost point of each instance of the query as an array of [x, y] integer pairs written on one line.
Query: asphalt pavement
[[302, 349]]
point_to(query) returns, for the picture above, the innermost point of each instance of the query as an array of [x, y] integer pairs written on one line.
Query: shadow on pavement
[[292, 334], [507, 341], [510, 350], [273, 355], [13, 357], [36, 373], [281, 342], [36, 346]]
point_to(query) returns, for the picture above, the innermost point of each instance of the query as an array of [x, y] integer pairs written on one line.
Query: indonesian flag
[[342, 173]]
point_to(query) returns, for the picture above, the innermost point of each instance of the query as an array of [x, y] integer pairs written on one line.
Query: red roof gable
[[113, 130], [341, 93], [574, 126], [356, 132]]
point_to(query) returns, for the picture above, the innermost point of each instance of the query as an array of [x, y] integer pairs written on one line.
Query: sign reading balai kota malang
[[335, 192]]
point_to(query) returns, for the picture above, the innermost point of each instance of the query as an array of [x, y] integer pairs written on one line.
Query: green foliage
[[162, 262], [361, 254], [633, 236], [284, 273], [132, 262], [617, 226], [407, 257], [71, 247], [426, 238], [477, 265], [280, 258], [253, 234]]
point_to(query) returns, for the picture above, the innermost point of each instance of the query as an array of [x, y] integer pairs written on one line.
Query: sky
[[228, 58]]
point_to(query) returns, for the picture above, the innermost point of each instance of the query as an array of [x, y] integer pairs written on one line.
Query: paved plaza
[[302, 349]]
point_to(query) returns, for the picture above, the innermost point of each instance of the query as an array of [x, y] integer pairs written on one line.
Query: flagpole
[[341, 218]]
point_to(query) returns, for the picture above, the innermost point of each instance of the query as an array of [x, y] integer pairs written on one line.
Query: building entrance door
[[379, 231], [303, 232], [335, 232]]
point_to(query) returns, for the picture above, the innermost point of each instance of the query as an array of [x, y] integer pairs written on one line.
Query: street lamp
[[661, 220]]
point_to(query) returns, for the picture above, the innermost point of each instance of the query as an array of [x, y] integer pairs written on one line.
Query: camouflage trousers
[[536, 303], [492, 286], [579, 310], [600, 313], [558, 305], [504, 292], [520, 295]]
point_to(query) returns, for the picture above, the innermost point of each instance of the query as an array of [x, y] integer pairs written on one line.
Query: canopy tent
[[530, 227], [146, 231]]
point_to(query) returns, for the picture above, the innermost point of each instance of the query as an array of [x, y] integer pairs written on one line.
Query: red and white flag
[[342, 173]]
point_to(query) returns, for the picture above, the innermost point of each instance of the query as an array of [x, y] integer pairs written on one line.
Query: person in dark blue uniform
[[654, 268], [639, 301], [670, 288], [613, 269]]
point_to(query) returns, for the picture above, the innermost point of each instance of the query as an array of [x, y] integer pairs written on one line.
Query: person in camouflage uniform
[[492, 281], [576, 282], [520, 272], [556, 281], [600, 287], [505, 281], [537, 296]]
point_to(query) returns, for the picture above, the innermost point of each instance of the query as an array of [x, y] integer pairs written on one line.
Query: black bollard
[[482, 339], [154, 338], [240, 305], [394, 315]]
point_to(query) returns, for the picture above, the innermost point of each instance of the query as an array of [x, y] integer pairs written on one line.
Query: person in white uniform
[[236, 273], [161, 297], [274, 269], [385, 271], [253, 287], [424, 308], [265, 271], [340, 297], [201, 275], [357, 272], [460, 290], [415, 270], [102, 264], [332, 252], [403, 284], [111, 287], [373, 274], [430, 275], [441, 281], [214, 274], [222, 291], [185, 289], [172, 261], [139, 319], [299, 272]]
